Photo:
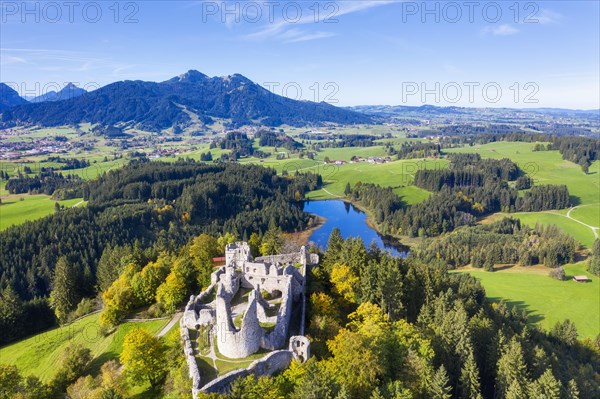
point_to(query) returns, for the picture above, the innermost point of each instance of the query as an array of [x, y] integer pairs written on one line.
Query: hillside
[[9, 97], [178, 102], [66, 93]]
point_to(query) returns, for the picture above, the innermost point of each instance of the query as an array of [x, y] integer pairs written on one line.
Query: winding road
[[594, 229]]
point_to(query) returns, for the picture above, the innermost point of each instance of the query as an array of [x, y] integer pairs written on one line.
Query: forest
[[272, 139], [340, 140], [69, 163], [419, 150], [386, 328], [46, 182], [503, 242], [381, 327], [150, 204], [470, 187]]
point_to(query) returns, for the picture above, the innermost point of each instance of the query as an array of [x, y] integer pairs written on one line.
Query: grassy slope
[[38, 354], [14, 212], [578, 231], [398, 175], [547, 300], [589, 214], [548, 167]]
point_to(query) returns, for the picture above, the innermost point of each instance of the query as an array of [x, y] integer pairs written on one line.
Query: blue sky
[[347, 52]]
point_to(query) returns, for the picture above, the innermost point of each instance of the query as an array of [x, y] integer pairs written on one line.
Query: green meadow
[[581, 233], [38, 354], [545, 167], [589, 214], [548, 167], [398, 175], [14, 211], [545, 299]]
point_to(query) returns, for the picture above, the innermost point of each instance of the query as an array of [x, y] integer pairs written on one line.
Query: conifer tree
[[546, 387], [65, 289], [511, 370], [470, 387], [272, 241], [347, 190], [440, 385], [572, 390]]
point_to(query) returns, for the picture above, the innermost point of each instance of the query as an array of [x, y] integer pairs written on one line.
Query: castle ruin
[[275, 288]]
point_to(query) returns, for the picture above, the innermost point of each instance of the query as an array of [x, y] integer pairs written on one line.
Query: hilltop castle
[[273, 286]]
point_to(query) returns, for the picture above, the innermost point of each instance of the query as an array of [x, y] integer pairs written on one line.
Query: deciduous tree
[[143, 357]]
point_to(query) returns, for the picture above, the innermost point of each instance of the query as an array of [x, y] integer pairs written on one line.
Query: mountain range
[[423, 110], [66, 93], [9, 97], [183, 101]]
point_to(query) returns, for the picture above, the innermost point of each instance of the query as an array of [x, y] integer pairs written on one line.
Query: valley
[[305, 200]]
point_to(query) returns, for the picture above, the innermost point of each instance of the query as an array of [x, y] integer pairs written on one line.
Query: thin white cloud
[[280, 27], [50, 60], [297, 35], [546, 16], [500, 30], [10, 60]]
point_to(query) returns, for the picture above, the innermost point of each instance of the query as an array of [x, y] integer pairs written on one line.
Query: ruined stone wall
[[188, 350], [196, 314], [268, 365], [281, 259], [276, 338], [270, 273], [237, 251]]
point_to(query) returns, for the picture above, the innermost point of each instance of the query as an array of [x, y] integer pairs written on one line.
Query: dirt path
[[330, 193], [594, 229], [174, 320]]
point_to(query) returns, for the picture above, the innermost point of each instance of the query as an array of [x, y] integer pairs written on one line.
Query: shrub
[[558, 273]]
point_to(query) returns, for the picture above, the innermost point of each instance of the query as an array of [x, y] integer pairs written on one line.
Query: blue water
[[352, 222]]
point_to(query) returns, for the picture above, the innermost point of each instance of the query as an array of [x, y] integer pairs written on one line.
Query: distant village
[[12, 150], [356, 159]]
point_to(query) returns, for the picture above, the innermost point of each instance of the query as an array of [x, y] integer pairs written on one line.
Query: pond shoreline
[[352, 224]]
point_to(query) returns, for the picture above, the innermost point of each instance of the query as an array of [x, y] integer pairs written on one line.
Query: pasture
[[38, 354], [545, 299], [14, 211], [548, 167]]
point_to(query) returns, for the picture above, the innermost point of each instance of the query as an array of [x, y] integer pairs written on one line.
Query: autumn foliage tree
[[143, 357]]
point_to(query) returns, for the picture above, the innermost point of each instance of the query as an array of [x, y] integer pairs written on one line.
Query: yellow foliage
[[164, 209], [323, 305], [344, 282], [143, 357], [354, 364], [369, 321]]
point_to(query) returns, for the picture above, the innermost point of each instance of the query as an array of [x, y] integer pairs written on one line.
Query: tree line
[[272, 139], [469, 188], [45, 182], [503, 242]]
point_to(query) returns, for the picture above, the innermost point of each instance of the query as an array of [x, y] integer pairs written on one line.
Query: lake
[[352, 222]]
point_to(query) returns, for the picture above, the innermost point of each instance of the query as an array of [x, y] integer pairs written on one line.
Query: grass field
[[398, 175], [545, 299], [576, 230], [13, 211], [589, 214], [38, 355], [548, 167]]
